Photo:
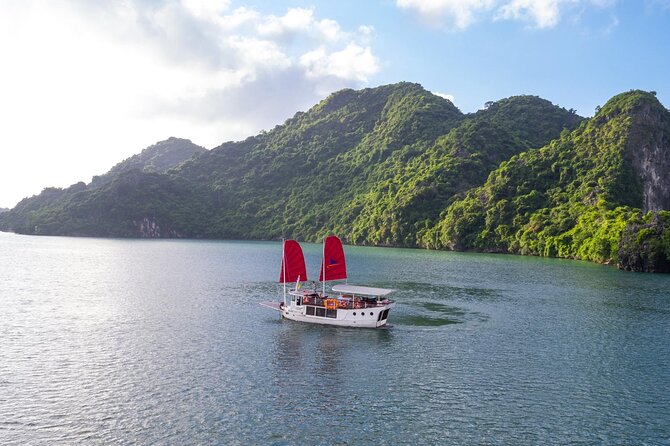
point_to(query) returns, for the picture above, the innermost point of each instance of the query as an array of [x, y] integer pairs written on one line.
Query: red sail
[[333, 256], [293, 263]]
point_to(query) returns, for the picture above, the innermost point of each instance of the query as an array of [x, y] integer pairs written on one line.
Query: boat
[[344, 305]]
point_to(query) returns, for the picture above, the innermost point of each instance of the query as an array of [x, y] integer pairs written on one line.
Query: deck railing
[[346, 303]]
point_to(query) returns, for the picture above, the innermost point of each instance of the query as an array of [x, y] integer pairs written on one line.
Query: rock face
[[649, 149], [646, 247], [148, 227]]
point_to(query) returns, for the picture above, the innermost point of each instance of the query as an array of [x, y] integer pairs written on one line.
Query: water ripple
[[163, 342]]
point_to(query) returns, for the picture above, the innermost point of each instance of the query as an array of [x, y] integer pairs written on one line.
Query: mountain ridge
[[158, 158], [399, 166], [30, 213]]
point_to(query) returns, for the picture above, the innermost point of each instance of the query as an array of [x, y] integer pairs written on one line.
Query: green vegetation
[[572, 198], [397, 165], [114, 204], [158, 158], [646, 246]]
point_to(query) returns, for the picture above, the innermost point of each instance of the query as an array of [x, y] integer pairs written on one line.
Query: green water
[[163, 342]]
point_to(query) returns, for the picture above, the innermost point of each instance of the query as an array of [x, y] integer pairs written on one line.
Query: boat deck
[[345, 302]]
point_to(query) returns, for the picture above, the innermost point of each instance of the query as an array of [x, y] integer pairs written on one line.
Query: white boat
[[345, 306]]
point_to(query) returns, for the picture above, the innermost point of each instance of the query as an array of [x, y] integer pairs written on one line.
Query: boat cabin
[[351, 297]]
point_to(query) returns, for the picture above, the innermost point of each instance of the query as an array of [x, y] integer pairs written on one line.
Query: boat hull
[[372, 317]]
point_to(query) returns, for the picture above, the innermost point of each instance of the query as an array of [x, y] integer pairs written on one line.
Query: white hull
[[372, 317]]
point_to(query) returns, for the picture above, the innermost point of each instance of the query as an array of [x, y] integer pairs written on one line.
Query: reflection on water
[[321, 382], [163, 342]]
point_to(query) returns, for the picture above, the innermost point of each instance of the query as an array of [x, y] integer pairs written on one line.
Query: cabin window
[[354, 313], [321, 312], [385, 314], [310, 311], [331, 313]]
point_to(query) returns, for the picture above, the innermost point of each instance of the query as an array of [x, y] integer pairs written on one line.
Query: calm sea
[[163, 342]]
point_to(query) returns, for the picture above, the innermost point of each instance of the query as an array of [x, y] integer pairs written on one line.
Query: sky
[[85, 84]]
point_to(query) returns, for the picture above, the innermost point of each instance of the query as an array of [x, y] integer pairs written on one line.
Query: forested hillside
[[77, 210], [399, 166], [575, 197], [376, 165], [158, 158]]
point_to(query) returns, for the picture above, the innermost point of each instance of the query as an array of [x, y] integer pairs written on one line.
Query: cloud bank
[[239, 67], [86, 83], [197, 60]]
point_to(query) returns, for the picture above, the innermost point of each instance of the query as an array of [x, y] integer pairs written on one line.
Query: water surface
[[163, 342]]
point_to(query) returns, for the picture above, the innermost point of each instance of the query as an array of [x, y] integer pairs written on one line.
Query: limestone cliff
[[649, 150], [646, 246]]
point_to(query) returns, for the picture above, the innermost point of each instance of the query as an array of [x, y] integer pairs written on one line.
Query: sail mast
[[283, 262], [323, 265]]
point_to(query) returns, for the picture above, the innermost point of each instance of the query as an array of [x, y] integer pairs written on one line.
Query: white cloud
[[354, 63], [258, 54], [543, 13], [86, 84], [449, 97], [237, 19], [300, 22], [611, 26], [206, 9], [295, 21], [330, 29], [460, 14]]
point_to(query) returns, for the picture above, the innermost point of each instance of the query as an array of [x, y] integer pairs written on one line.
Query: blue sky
[[86, 83], [594, 51]]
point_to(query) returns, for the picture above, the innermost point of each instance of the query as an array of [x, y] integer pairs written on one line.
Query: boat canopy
[[369, 291]]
